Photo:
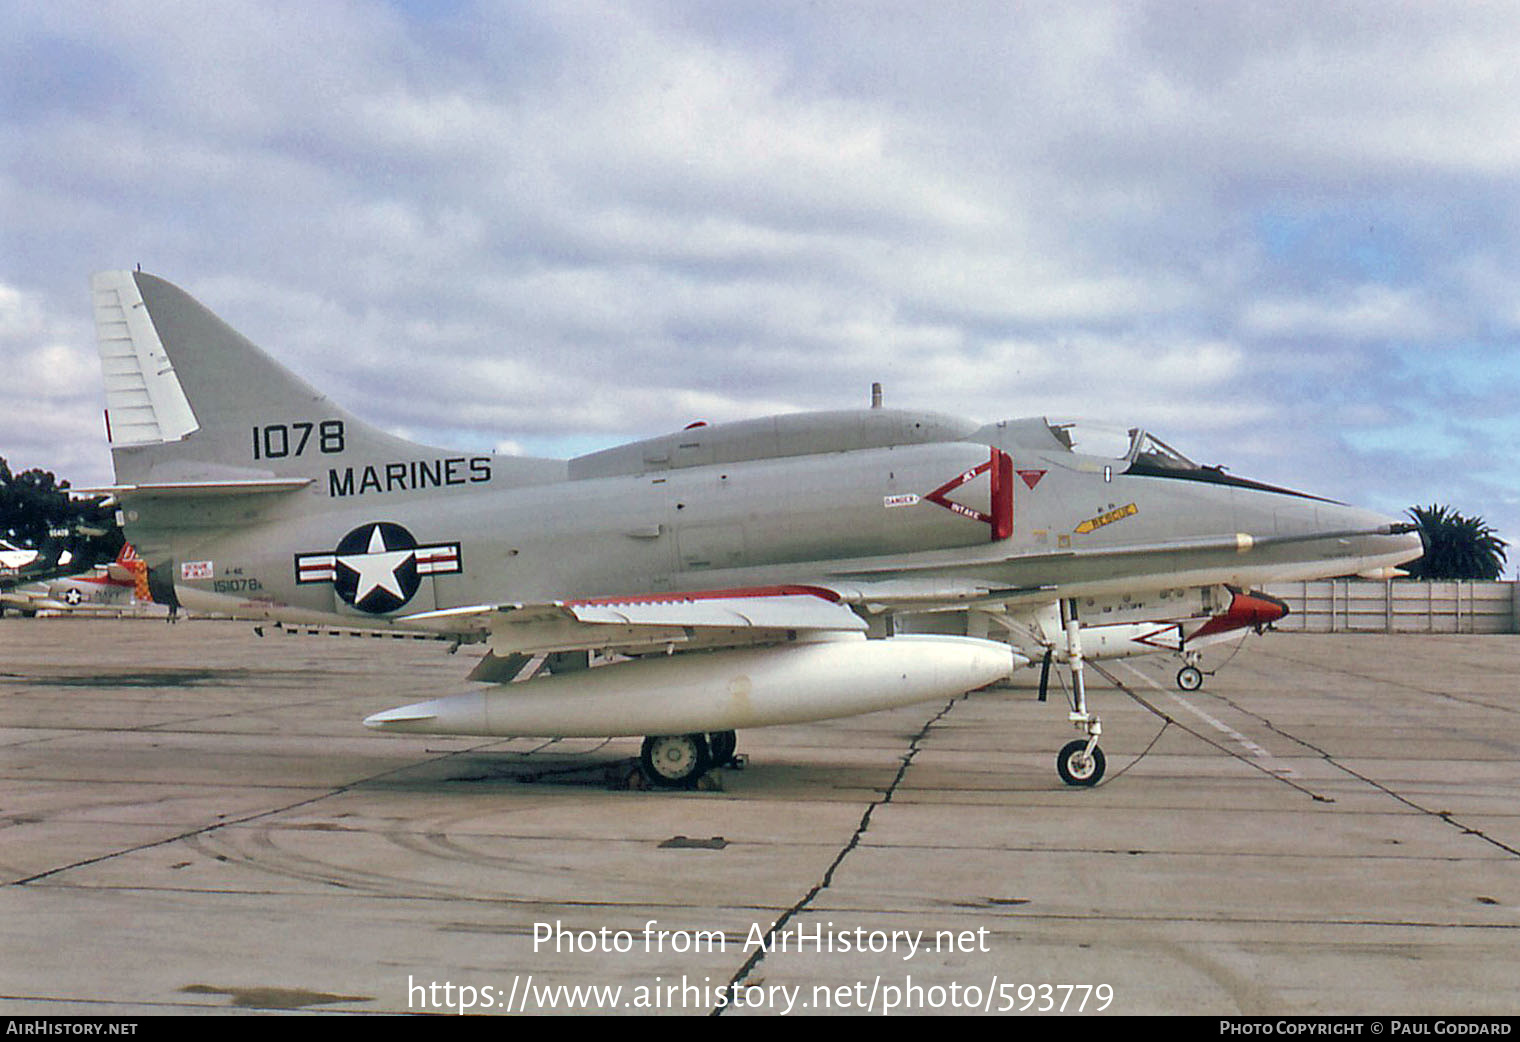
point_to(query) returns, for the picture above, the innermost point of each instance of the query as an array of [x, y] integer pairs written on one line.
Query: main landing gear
[[677, 761], [723, 745]]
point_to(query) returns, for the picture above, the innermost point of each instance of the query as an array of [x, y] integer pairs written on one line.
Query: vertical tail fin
[[188, 397], [191, 403], [123, 571]]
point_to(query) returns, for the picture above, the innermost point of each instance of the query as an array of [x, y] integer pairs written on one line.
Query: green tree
[[1456, 547], [37, 510]]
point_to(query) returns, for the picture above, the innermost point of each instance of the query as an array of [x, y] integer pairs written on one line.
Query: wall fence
[[1399, 606]]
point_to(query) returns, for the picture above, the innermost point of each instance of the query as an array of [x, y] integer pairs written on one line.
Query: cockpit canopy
[[1129, 450], [1129, 445]]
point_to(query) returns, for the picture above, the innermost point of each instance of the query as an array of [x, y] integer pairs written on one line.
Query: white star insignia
[[377, 567]]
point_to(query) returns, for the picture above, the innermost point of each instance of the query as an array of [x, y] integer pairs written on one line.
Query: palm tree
[[1456, 547]]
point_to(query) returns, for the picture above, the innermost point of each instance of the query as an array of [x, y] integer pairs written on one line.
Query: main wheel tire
[[1190, 678], [675, 761], [722, 745], [1077, 768]]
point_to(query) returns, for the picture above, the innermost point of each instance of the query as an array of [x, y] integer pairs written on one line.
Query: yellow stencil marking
[[1118, 514]]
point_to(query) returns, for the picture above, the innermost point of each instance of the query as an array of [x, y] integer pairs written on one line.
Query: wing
[[20, 598], [643, 624], [34, 573]]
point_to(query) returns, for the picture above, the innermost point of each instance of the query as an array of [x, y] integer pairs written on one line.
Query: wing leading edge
[[630, 625]]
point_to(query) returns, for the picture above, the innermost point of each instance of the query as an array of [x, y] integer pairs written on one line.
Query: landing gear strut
[[722, 745], [1081, 762]]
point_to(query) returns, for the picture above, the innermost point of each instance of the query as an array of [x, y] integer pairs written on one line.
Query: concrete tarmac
[[192, 819]]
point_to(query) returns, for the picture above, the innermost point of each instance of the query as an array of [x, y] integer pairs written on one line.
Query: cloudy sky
[[1285, 237]]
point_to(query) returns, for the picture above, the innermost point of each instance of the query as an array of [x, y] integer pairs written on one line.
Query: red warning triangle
[[1031, 477]]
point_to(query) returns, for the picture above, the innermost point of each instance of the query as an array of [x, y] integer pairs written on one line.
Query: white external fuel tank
[[718, 691]]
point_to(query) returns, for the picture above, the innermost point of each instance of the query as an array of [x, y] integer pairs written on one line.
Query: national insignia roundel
[[378, 566]]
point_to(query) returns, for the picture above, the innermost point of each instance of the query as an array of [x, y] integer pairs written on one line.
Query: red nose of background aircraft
[[1254, 609]]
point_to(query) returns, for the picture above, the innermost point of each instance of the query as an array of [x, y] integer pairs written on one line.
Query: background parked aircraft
[[120, 586]]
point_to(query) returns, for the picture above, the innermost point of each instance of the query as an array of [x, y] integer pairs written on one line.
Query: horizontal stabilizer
[[201, 488]]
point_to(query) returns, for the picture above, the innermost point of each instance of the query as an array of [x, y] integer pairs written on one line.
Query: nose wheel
[[1081, 762], [1190, 676]]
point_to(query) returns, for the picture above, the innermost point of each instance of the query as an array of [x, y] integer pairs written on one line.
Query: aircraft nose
[[1407, 542], [1319, 537], [1381, 543]]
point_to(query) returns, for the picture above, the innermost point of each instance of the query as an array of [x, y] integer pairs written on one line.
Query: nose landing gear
[[1081, 762], [1190, 677]]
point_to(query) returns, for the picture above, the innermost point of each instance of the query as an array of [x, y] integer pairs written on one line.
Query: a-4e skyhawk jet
[[690, 585]]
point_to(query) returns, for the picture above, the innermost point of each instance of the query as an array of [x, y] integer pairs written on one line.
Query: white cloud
[[1363, 313], [588, 218]]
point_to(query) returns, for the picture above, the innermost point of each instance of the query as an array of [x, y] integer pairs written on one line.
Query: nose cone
[[1319, 539], [1376, 543], [463, 713], [416, 718], [1403, 544]]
